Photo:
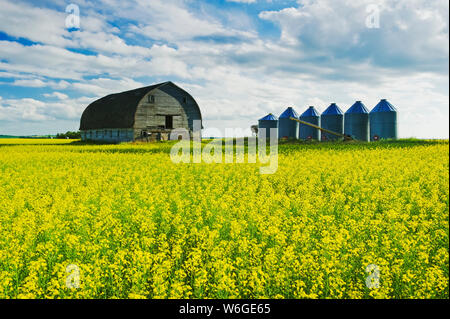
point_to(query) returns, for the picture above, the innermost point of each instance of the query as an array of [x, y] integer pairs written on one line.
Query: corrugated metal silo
[[288, 128], [383, 121], [332, 119], [307, 132], [356, 122], [269, 121]]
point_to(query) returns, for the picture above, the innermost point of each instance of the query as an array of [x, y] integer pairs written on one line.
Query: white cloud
[[172, 21], [56, 62], [36, 24], [325, 54], [105, 86], [58, 95], [46, 26], [412, 33], [242, 1], [22, 109], [30, 83], [40, 83], [32, 110]]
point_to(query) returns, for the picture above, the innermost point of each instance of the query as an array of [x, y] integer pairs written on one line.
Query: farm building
[[148, 113]]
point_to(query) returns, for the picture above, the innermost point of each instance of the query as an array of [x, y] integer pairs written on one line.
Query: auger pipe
[[345, 136]]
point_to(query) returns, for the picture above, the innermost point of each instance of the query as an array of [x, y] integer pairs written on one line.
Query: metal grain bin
[[356, 122], [288, 128], [307, 132], [383, 121], [267, 122], [332, 119]]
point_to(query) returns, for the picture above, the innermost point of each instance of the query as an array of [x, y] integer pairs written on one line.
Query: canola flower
[[136, 225]]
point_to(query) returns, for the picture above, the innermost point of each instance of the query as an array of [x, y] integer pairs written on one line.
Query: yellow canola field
[[123, 221]]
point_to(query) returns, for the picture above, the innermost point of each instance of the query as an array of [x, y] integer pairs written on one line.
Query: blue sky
[[239, 59]]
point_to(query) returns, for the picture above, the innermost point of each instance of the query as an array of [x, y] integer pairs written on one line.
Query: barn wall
[[152, 115], [168, 100], [149, 117], [108, 135], [188, 103]]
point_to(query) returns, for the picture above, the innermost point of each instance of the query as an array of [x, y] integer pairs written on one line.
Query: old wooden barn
[[144, 114]]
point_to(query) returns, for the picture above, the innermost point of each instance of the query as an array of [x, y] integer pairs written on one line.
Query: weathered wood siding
[[108, 135], [149, 108], [168, 100]]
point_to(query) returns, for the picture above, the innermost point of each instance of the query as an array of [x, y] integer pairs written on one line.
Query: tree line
[[69, 135]]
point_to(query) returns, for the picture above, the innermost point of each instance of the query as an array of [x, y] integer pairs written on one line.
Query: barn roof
[[116, 110]]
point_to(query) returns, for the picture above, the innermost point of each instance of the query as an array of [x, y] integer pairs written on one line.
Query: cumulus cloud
[[47, 26], [171, 20], [104, 86], [32, 110], [57, 62], [325, 53], [411, 33], [58, 95], [22, 109], [40, 83], [242, 1]]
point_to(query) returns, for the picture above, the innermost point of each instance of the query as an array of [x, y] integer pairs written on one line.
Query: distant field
[[24, 137], [137, 225], [34, 141]]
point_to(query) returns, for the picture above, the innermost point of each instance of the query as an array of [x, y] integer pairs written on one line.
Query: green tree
[[70, 135]]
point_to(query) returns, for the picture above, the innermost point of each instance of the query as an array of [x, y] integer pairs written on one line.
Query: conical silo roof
[[333, 109], [358, 107], [290, 112], [384, 106], [269, 117], [311, 111]]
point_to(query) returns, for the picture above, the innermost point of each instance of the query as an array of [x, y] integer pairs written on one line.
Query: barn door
[[169, 122]]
